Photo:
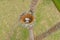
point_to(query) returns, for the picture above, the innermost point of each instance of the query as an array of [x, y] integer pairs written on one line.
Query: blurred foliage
[[57, 4], [46, 16]]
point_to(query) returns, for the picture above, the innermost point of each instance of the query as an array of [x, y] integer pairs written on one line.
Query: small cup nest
[[27, 18]]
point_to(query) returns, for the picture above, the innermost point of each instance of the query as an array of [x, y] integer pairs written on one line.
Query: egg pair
[[27, 18]]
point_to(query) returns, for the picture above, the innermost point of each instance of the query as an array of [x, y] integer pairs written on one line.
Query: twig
[[49, 32], [33, 5], [31, 35]]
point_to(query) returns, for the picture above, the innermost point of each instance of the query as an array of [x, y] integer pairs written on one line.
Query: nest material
[[31, 18]]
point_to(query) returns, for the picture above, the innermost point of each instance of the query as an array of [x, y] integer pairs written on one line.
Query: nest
[[27, 18]]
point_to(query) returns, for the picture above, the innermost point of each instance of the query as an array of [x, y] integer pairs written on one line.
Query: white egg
[[27, 19]]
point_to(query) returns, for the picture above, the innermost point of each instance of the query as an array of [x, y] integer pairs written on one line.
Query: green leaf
[[57, 4]]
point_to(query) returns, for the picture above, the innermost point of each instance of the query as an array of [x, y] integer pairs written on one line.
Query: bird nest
[[27, 19]]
